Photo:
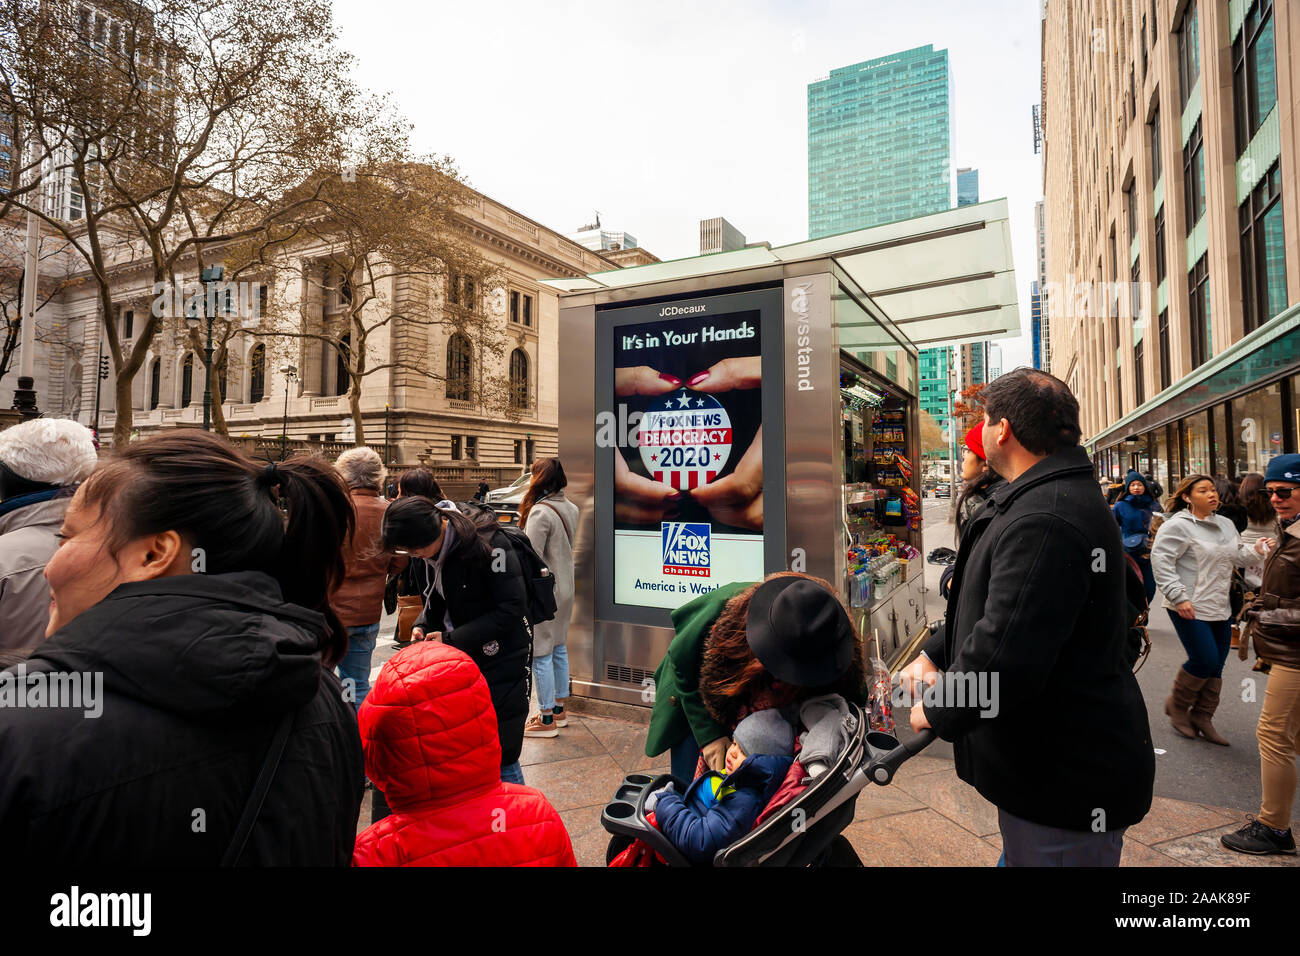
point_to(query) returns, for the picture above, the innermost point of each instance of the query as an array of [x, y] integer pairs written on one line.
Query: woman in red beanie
[[979, 479]]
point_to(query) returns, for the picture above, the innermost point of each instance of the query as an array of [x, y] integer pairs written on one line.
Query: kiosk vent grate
[[626, 674]]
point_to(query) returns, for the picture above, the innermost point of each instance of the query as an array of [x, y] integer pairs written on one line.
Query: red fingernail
[[698, 378], [671, 379], [673, 497]]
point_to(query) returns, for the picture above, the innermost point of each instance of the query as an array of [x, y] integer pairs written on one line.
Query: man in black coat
[[1030, 679]]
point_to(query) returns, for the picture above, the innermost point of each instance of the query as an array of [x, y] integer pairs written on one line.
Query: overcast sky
[[660, 114]]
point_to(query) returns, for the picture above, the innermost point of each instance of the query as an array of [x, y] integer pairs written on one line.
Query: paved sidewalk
[[926, 817]]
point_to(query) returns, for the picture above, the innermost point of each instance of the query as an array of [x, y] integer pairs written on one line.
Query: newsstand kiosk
[[717, 426]]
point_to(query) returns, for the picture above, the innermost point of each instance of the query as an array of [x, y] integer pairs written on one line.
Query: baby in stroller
[[719, 808]]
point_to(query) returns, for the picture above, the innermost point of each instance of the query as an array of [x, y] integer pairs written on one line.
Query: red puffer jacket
[[430, 739]]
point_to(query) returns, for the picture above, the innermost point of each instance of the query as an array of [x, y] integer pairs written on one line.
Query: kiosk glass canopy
[[945, 278]]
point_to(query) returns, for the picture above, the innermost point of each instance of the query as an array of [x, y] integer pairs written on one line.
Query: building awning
[[1271, 352], [947, 277]]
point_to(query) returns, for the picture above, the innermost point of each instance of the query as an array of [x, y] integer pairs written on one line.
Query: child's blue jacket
[[718, 809]]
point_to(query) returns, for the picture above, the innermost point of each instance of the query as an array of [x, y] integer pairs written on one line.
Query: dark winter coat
[[700, 825], [1133, 513], [487, 611], [198, 671], [1038, 600]]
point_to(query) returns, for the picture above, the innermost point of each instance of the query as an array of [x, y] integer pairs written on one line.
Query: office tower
[[1163, 187], [968, 186], [718, 235], [879, 150], [879, 142]]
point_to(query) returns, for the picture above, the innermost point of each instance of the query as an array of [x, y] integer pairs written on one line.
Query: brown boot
[[1186, 690], [1206, 704]]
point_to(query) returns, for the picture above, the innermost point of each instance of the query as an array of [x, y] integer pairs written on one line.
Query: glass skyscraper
[[879, 142], [879, 150], [968, 187]]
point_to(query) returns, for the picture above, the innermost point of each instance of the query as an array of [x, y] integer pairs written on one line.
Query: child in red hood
[[430, 738]]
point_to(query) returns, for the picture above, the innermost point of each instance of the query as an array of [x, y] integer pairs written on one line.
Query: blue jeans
[[512, 773], [1206, 644], [551, 677], [1148, 579], [355, 666]]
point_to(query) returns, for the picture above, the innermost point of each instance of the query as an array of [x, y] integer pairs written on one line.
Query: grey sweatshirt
[[1192, 560]]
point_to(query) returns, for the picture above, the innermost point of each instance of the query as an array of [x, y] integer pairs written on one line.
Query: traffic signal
[[103, 366]]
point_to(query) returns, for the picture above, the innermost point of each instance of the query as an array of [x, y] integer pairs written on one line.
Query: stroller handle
[[881, 770]]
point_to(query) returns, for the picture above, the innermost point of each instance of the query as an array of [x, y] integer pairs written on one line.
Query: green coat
[[678, 709]]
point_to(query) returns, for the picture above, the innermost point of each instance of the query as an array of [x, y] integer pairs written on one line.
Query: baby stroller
[[805, 832]]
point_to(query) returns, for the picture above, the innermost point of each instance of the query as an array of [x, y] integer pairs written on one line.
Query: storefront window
[[1257, 424], [1196, 445], [1221, 446], [1160, 461]]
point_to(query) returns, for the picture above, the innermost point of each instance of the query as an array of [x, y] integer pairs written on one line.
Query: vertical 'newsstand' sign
[[688, 487]]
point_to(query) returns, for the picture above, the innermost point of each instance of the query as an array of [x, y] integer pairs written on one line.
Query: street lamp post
[[388, 455], [290, 373], [210, 277]]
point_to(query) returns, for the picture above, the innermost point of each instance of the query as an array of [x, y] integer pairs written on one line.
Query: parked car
[[506, 501]]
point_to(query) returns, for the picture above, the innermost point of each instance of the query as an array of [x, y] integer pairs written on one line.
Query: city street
[[928, 817]]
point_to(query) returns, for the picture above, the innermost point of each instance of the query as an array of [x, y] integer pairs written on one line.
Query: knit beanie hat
[[1284, 468], [765, 732], [52, 451], [974, 440]]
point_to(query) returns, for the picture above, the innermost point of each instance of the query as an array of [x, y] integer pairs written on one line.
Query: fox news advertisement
[[688, 476]]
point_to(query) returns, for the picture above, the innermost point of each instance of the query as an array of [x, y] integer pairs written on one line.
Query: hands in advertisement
[[639, 499], [737, 499], [729, 374], [643, 380]]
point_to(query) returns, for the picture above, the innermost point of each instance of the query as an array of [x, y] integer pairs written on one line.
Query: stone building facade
[[432, 420]]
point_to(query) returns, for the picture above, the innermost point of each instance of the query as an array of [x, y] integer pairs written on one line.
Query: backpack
[[539, 582]]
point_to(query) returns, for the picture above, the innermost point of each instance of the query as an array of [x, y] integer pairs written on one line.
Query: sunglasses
[[1282, 494]]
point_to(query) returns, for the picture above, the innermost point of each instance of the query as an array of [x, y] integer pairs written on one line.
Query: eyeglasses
[[1282, 494]]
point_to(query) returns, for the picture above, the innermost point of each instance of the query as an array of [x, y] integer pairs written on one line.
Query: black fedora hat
[[799, 632]]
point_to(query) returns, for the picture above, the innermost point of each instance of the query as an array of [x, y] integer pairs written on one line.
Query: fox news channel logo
[[686, 548]]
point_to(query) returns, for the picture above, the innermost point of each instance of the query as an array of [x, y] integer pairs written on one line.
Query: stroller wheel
[[839, 853], [617, 844]]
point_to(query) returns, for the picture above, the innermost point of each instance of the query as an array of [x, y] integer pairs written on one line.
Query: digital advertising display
[[688, 475]]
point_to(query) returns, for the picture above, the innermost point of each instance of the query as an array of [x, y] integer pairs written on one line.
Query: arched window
[[155, 379], [257, 373], [518, 379], [187, 380], [458, 368]]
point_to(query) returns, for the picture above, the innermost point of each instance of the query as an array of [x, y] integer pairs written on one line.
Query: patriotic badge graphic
[[685, 439], [686, 548]]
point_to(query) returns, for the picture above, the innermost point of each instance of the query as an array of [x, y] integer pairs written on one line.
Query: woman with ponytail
[[476, 602], [190, 613]]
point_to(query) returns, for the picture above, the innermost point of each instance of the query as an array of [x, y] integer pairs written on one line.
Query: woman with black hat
[[747, 647]]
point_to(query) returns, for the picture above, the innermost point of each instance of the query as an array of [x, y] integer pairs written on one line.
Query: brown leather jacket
[[1274, 616], [359, 600]]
